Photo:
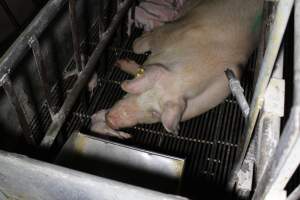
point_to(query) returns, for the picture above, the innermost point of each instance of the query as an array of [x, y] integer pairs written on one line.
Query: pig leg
[[99, 126], [172, 114], [128, 66], [142, 44], [209, 98]]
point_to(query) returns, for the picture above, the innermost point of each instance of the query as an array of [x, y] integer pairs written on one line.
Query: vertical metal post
[[11, 94], [75, 35], [42, 70]]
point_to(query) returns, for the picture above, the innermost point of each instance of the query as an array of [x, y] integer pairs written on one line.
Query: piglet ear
[[171, 115]]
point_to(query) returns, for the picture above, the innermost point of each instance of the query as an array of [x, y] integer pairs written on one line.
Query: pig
[[184, 76]]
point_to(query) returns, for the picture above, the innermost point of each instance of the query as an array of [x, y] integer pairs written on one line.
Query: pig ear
[[171, 115]]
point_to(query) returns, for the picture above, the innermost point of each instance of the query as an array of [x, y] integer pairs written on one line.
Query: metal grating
[[209, 142]]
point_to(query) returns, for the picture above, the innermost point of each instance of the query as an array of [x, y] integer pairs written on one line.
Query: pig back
[[229, 26]]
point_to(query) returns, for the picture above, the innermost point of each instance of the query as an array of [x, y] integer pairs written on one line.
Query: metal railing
[[29, 39]]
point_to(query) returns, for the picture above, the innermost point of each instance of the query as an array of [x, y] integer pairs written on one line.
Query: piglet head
[[148, 101], [127, 113]]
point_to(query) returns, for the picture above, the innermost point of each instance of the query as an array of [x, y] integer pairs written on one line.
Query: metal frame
[[25, 178], [283, 11], [285, 159], [29, 39], [83, 78], [42, 71]]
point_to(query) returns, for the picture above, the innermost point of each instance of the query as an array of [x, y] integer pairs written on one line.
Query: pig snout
[[114, 120], [123, 114]]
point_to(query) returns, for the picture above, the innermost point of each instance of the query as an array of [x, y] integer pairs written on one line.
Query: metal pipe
[[42, 70], [281, 19], [75, 35], [238, 92], [26, 178], [286, 158], [83, 78], [20, 47], [14, 100]]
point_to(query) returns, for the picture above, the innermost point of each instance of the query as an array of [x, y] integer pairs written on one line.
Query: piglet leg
[[100, 126]]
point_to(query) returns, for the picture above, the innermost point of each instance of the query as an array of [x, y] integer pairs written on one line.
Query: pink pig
[[184, 76]]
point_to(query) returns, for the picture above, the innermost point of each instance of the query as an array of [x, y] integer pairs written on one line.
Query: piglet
[[184, 76]]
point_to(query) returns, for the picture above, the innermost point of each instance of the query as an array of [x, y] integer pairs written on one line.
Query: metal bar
[[75, 35], [26, 178], [286, 158], [20, 47], [83, 78], [42, 70], [281, 18], [269, 121], [14, 100], [238, 92], [246, 174], [295, 194], [10, 14]]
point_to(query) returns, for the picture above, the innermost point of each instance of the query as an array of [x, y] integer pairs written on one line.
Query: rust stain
[[179, 164], [80, 143]]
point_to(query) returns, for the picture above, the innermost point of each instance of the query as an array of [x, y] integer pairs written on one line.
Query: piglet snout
[[111, 120]]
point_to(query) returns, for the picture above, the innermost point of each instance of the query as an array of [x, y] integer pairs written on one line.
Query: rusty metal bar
[[42, 70], [20, 47], [75, 35], [14, 100], [83, 78]]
